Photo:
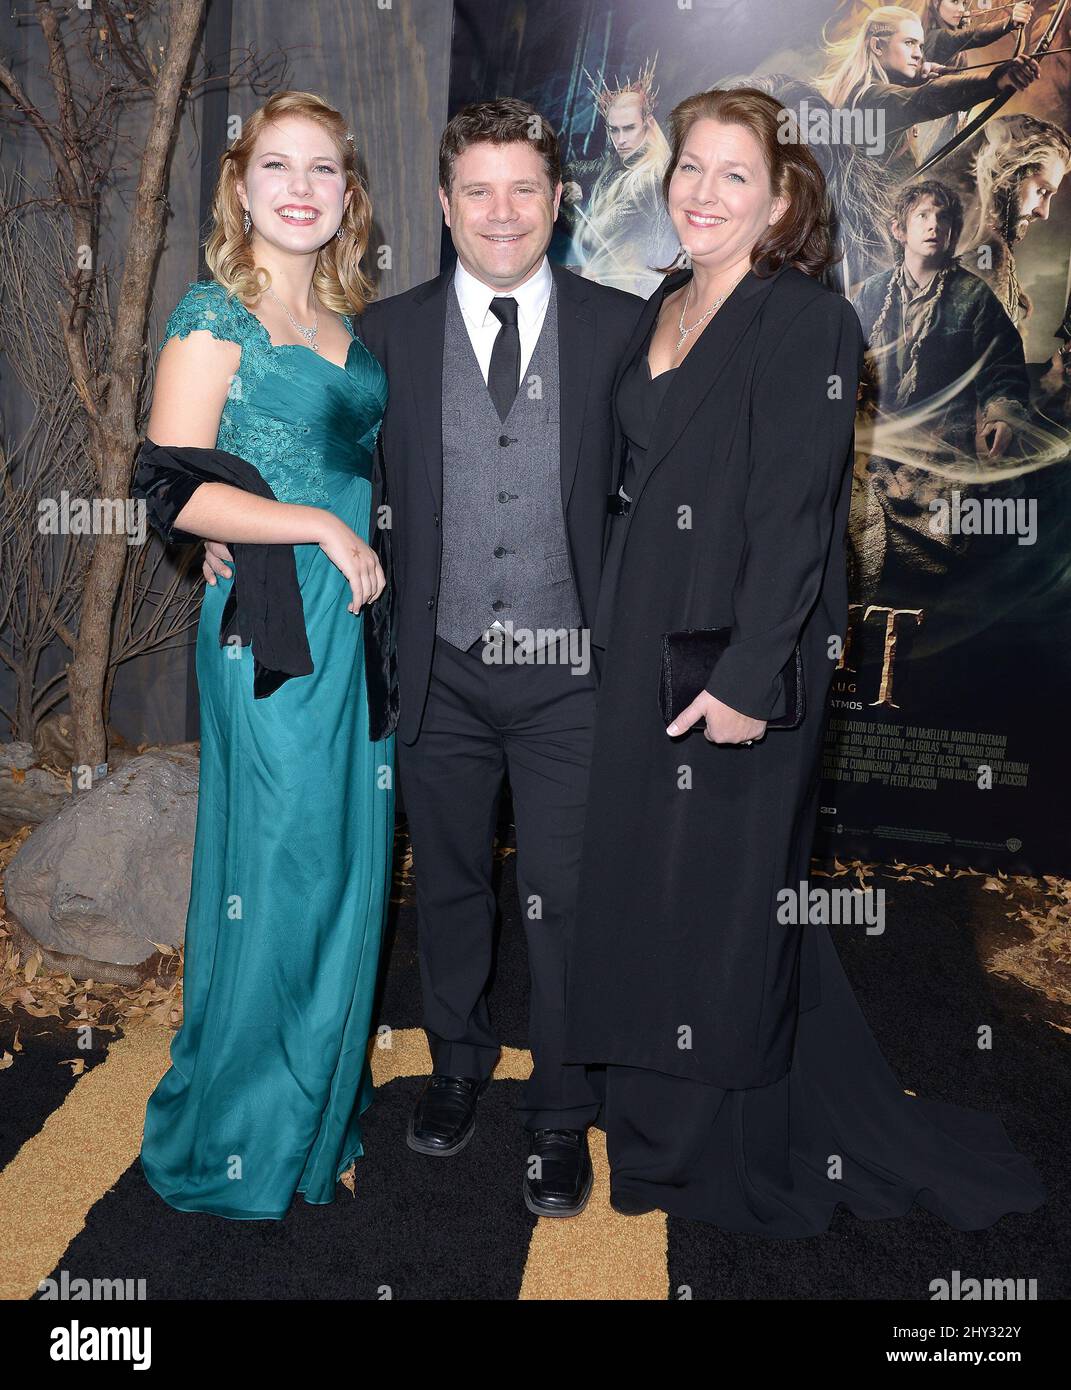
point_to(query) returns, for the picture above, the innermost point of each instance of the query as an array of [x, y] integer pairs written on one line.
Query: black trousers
[[482, 723]]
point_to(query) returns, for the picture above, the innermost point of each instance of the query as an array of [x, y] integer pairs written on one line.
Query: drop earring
[[339, 232], [247, 221]]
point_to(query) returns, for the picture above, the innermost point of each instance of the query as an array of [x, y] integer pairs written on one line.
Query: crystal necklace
[[713, 309], [309, 334]]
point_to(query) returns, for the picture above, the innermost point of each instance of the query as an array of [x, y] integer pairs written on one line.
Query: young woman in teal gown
[[269, 1073]]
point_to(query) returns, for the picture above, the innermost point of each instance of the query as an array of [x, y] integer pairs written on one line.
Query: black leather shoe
[[445, 1116], [565, 1177]]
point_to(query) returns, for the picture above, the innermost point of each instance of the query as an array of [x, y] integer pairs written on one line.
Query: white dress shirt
[[474, 298]]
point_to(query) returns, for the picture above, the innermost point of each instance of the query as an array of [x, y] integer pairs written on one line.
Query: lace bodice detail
[[292, 413]]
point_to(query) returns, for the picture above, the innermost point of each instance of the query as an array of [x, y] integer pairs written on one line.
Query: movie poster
[[941, 127]]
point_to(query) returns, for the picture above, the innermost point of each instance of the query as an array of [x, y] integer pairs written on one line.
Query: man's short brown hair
[[505, 121]]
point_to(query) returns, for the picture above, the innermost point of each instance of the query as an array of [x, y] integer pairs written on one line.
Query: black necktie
[[504, 372]]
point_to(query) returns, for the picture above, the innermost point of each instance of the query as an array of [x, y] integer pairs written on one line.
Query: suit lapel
[[698, 374], [646, 322], [639, 336], [425, 358], [576, 347]]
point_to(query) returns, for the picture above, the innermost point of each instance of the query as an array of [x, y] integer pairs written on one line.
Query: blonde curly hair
[[338, 280]]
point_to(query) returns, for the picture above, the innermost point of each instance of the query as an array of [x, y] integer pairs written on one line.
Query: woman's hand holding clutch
[[723, 724]]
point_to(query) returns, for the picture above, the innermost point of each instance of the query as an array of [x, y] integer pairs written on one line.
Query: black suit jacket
[[407, 333], [778, 463]]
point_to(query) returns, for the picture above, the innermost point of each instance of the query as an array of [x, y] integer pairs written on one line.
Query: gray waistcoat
[[505, 549]]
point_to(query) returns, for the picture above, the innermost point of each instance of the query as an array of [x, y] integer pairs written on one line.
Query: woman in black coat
[[743, 1085]]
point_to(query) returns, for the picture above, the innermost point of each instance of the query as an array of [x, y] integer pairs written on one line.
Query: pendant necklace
[[713, 309], [309, 334]]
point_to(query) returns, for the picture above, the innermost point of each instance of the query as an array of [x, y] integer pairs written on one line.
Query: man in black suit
[[500, 449]]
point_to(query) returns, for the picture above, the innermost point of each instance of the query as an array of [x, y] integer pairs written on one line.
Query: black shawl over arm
[[264, 607]]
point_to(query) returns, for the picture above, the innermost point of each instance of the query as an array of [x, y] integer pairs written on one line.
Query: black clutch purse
[[687, 661]]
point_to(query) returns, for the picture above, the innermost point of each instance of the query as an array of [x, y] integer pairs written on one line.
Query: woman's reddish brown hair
[[802, 236]]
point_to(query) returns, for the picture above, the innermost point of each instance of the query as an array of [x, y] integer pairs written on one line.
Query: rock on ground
[[108, 877]]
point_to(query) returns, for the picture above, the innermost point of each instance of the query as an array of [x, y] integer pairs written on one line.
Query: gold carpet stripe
[[89, 1141], [598, 1254], [404, 1052], [94, 1135], [81, 1150]]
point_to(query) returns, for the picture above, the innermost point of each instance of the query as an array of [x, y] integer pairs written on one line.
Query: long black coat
[[407, 333], [678, 962]]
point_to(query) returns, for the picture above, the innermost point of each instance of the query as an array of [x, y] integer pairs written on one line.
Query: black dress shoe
[[445, 1116], [565, 1177]]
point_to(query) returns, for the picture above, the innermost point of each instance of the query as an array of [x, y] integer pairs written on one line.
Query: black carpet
[[422, 1229], [39, 1079]]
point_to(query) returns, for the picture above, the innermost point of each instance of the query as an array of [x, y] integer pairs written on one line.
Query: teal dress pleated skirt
[[269, 1071]]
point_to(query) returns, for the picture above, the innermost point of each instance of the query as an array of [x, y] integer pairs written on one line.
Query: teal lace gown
[[291, 867]]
